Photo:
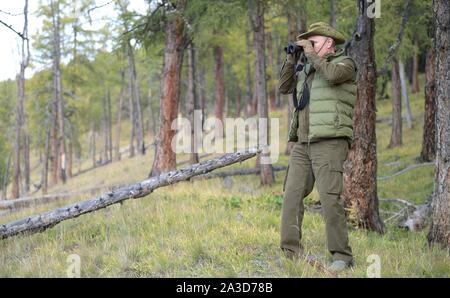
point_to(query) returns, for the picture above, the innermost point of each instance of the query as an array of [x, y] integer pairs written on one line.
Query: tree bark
[[117, 155], [257, 15], [333, 13], [440, 205], [20, 116], [403, 83], [165, 157], [60, 146], [132, 117], [41, 222], [70, 160], [220, 84], [360, 171], [292, 36], [248, 91], [428, 152], [270, 76], [415, 69], [6, 177], [44, 177], [396, 135]]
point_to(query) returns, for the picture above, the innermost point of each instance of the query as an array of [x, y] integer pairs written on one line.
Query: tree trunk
[[396, 136], [44, 178], [105, 129], [117, 156], [257, 15], [132, 118], [409, 116], [6, 177], [238, 101], [428, 152], [70, 160], [15, 191], [360, 171], [276, 71], [273, 86], [415, 68], [220, 84], [292, 36], [202, 93], [110, 146], [20, 115], [93, 144], [440, 205], [192, 102], [26, 157], [165, 157], [60, 146], [333, 13], [248, 90]]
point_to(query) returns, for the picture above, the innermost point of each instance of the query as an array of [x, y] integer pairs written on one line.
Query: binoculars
[[293, 48]]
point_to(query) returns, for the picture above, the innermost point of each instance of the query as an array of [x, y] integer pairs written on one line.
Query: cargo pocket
[[293, 137], [335, 183], [285, 178]]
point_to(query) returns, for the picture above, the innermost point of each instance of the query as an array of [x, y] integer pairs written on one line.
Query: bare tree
[[396, 135], [440, 206], [257, 17], [405, 96], [117, 156], [220, 83], [20, 115]]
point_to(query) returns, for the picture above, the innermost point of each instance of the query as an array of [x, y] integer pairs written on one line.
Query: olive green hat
[[323, 29]]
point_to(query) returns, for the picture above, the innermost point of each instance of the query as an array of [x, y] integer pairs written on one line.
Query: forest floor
[[208, 228]]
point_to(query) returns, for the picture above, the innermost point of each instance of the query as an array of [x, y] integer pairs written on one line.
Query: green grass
[[179, 231]]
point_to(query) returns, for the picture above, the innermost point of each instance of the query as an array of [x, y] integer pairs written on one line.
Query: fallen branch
[[406, 170], [43, 221], [411, 217], [417, 220]]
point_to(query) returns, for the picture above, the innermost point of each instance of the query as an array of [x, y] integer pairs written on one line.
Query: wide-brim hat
[[323, 29]]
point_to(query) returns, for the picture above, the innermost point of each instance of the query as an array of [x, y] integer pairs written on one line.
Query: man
[[322, 128]]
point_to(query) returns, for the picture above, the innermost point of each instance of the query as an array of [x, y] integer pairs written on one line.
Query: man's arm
[[288, 78], [335, 73]]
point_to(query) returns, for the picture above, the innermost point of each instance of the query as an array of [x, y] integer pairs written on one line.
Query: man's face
[[322, 44]]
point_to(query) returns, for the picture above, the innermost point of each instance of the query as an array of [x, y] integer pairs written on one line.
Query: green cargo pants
[[320, 162]]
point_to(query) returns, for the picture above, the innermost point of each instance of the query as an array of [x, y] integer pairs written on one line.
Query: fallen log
[[24, 202], [40, 222]]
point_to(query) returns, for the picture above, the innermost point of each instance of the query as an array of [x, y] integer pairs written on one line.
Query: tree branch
[[12, 29]]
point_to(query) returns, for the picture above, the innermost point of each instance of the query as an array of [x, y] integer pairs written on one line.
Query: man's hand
[[306, 44]]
